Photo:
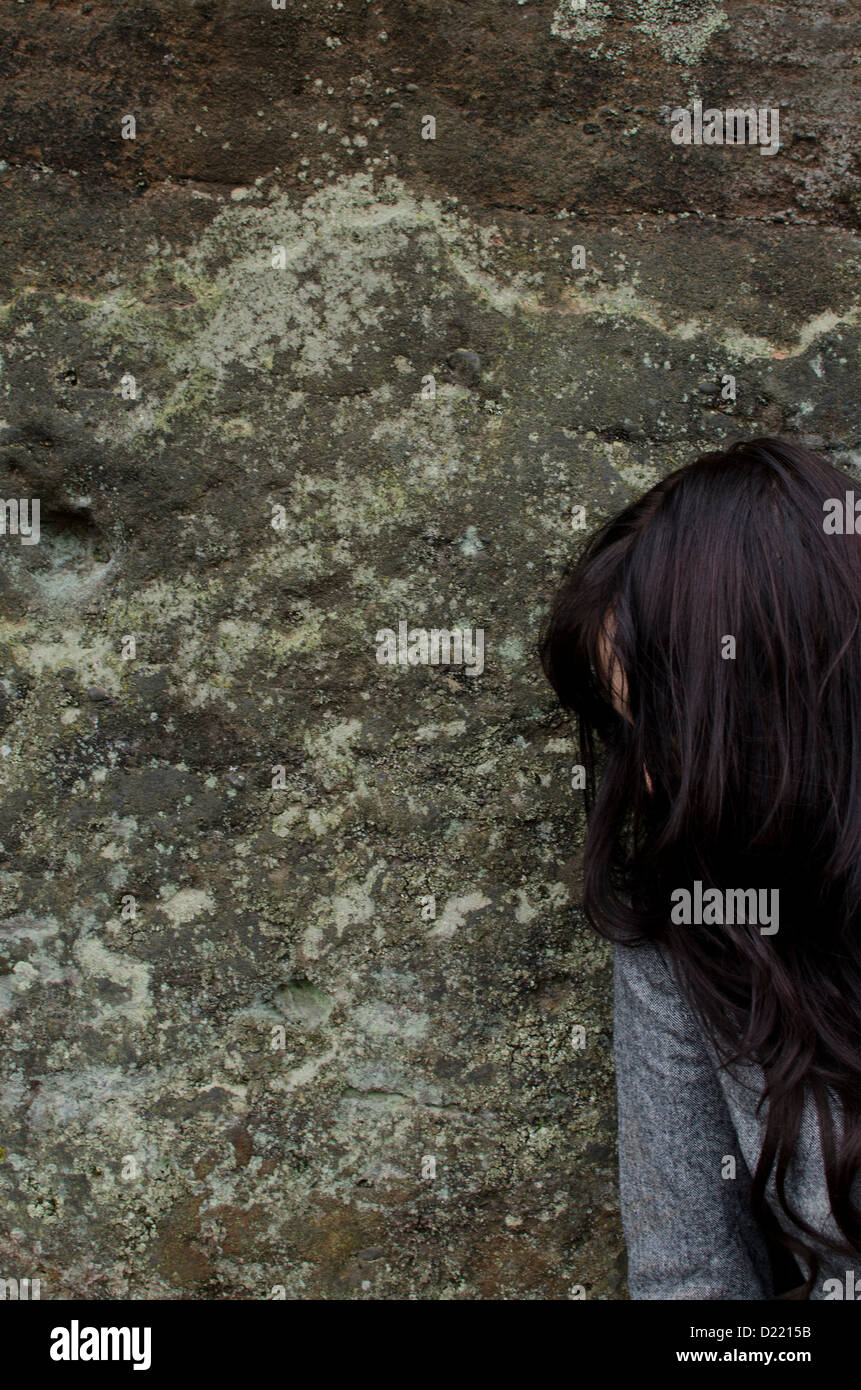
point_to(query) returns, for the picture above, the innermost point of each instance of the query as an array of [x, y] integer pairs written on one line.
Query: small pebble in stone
[[97, 692], [465, 365]]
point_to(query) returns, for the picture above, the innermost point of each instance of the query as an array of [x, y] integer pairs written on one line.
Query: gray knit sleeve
[[689, 1231]]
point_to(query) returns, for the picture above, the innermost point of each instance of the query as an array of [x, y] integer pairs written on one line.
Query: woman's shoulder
[[644, 967], [648, 993]]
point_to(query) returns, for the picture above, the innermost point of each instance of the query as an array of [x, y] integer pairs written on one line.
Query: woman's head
[[712, 631], [710, 640]]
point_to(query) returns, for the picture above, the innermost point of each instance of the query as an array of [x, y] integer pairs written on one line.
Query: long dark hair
[[735, 618]]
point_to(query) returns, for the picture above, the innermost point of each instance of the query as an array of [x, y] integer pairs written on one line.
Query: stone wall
[[243, 1050]]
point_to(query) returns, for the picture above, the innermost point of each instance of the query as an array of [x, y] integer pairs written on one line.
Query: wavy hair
[[736, 763]]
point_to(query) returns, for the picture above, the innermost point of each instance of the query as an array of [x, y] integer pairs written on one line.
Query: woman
[[709, 640]]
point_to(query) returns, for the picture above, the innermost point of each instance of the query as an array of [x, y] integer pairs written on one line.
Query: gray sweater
[[689, 1231]]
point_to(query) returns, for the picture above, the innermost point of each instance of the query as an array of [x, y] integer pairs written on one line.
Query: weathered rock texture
[[168, 916]]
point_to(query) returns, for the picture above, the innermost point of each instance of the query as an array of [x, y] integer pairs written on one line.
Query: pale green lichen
[[681, 29]]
